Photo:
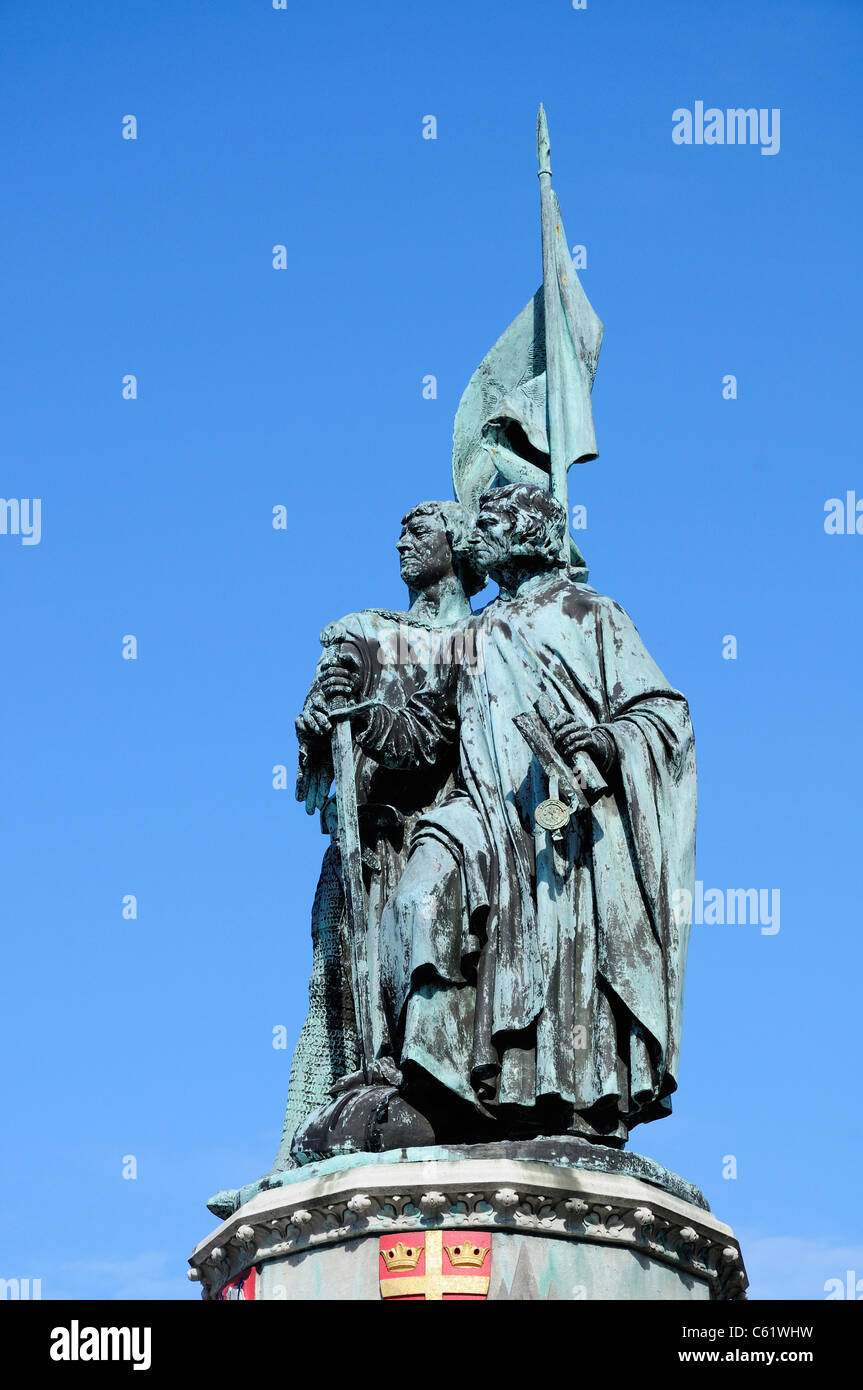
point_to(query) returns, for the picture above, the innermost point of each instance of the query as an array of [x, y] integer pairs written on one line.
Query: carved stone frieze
[[507, 1196]]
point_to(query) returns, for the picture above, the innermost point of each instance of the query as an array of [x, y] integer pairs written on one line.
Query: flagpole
[[551, 302]]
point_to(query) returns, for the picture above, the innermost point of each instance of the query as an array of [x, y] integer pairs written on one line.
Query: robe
[[539, 982]]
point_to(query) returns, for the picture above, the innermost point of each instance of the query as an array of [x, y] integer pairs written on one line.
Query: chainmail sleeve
[[327, 1047]]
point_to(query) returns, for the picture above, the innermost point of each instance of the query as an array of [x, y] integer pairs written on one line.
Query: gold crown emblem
[[401, 1256], [466, 1253]]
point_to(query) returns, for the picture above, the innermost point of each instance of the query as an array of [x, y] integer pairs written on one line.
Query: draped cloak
[[546, 973]]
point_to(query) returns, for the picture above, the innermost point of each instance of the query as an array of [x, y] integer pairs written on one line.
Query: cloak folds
[[536, 976]]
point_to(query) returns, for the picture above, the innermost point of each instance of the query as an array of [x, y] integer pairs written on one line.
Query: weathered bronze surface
[[499, 946]]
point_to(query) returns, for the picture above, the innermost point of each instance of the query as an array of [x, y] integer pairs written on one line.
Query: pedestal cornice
[[488, 1194]]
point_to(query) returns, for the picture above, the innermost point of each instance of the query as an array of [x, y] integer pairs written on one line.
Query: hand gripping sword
[[570, 788]]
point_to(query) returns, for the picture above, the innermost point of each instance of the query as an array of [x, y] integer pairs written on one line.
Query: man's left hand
[[572, 737]]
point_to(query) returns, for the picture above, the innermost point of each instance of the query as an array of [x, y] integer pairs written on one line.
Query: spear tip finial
[[543, 145]]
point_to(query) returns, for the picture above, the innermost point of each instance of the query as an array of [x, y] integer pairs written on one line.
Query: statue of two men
[[523, 980]]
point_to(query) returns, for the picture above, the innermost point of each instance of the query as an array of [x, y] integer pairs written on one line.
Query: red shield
[[436, 1266], [241, 1287]]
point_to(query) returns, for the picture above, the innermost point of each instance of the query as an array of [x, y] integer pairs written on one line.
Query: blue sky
[[257, 387]]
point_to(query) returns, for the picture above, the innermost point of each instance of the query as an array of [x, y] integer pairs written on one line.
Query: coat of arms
[[436, 1265]]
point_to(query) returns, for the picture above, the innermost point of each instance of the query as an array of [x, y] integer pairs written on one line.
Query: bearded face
[[518, 527], [490, 541]]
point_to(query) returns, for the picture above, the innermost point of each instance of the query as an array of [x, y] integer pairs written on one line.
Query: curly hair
[[539, 520]]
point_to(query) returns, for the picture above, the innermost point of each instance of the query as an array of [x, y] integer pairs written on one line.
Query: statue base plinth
[[557, 1232]]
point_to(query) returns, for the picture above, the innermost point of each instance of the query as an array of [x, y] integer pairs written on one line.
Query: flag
[[501, 430]]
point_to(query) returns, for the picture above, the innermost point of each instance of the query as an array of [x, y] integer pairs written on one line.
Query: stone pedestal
[[557, 1231]]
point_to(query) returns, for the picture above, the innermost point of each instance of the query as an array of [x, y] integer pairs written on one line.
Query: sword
[[569, 788], [350, 848]]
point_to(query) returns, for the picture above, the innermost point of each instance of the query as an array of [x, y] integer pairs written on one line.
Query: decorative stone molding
[[502, 1195]]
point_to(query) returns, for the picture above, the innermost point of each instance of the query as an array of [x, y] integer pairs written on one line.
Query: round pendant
[[552, 814]]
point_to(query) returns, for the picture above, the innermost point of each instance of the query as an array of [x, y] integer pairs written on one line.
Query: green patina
[[499, 950]]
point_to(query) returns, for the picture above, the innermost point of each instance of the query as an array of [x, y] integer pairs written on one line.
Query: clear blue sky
[[257, 387]]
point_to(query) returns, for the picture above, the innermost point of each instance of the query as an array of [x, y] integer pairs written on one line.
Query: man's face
[[424, 550], [489, 542]]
